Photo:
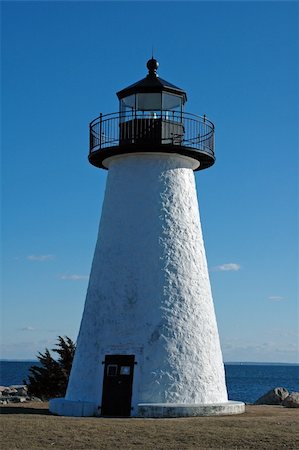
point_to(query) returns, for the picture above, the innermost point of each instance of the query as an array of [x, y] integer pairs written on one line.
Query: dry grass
[[30, 426]]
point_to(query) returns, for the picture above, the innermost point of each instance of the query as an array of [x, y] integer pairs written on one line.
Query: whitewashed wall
[[149, 292]]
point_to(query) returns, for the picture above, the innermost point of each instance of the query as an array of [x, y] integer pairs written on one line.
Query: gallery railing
[[147, 129]]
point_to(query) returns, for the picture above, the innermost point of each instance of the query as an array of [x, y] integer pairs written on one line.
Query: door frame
[[114, 365]]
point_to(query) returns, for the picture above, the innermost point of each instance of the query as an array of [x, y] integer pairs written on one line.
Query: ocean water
[[245, 382], [248, 382]]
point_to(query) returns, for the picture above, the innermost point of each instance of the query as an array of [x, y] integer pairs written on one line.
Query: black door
[[117, 385]]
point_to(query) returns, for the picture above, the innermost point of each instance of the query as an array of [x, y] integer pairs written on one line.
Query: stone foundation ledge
[[63, 407], [156, 410]]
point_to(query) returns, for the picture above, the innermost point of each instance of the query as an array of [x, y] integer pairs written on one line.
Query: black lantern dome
[[152, 93], [151, 118]]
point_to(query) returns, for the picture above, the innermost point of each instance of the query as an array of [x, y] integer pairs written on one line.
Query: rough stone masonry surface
[[149, 292]]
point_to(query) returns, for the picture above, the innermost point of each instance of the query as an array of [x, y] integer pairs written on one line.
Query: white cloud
[[74, 277], [276, 298], [228, 267], [40, 257], [29, 328]]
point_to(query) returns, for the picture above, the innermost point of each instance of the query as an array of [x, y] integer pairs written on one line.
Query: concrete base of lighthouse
[[63, 407], [160, 410]]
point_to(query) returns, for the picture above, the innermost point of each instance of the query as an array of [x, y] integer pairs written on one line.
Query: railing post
[[101, 130]]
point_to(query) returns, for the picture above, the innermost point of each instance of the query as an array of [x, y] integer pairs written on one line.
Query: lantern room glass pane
[[129, 101], [127, 104], [171, 102], [149, 102]]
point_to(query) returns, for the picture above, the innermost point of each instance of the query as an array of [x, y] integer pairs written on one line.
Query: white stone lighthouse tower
[[148, 343]]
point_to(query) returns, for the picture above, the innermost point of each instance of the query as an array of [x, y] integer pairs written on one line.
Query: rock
[[292, 400], [17, 399], [19, 389], [9, 391], [22, 392], [273, 397], [14, 390], [35, 399], [3, 402]]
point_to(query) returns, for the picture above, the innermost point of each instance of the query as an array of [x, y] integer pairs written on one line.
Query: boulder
[[16, 394], [292, 400], [22, 391], [19, 389], [273, 397], [17, 399], [9, 391]]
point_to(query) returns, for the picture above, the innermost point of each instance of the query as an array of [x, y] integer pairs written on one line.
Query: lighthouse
[[148, 344]]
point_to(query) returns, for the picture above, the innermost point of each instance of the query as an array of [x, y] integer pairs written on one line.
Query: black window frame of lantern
[[164, 101]]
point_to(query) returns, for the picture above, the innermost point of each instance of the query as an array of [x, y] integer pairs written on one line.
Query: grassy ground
[[30, 426]]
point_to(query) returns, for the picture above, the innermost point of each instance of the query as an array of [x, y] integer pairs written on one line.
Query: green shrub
[[50, 379]]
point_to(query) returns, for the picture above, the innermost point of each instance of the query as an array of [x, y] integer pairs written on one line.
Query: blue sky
[[62, 63]]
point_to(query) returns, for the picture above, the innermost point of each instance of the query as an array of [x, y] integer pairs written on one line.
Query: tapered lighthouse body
[[148, 343]]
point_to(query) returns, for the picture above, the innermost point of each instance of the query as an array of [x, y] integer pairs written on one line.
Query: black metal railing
[[152, 128]]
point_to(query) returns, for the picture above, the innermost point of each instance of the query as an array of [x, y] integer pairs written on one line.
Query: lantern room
[[151, 95], [151, 118]]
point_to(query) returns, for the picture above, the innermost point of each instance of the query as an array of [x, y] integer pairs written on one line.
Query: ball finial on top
[[152, 66]]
